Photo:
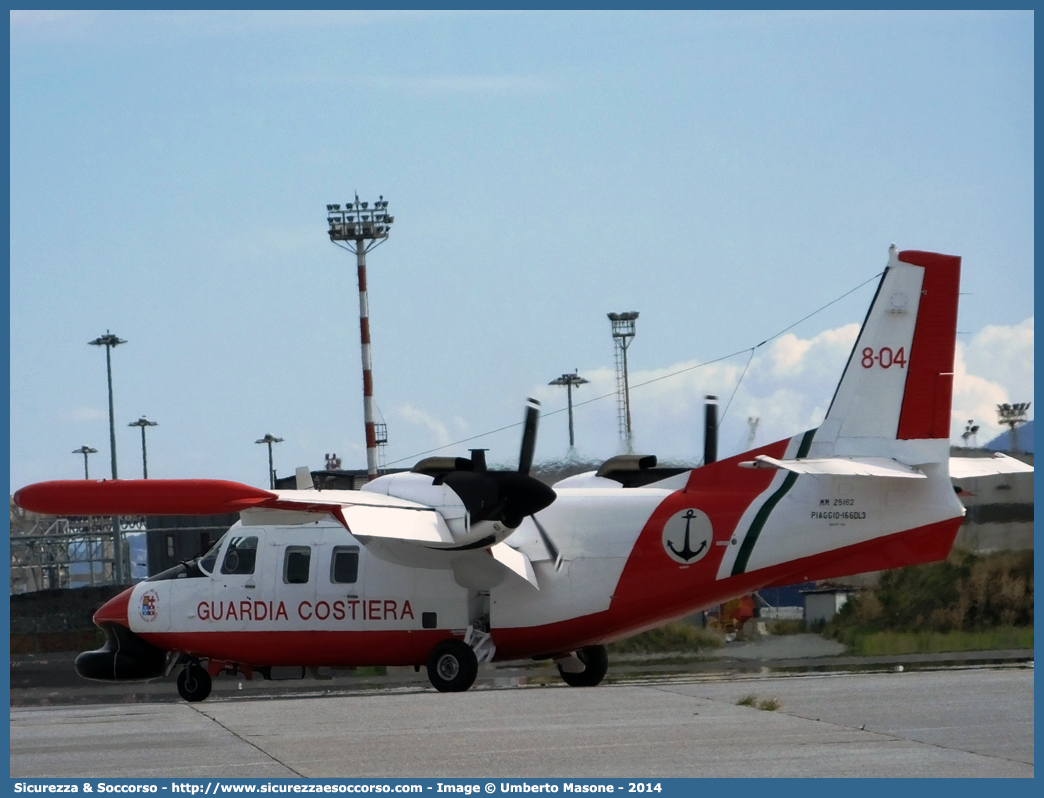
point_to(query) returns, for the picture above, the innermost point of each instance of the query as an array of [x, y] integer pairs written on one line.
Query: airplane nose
[[114, 610], [125, 656]]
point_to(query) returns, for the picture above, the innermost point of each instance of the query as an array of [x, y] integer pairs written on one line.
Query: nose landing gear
[[194, 682]]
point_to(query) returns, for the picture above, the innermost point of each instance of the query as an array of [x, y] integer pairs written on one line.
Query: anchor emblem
[[687, 542]]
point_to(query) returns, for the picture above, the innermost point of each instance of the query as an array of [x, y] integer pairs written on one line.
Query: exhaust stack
[[710, 430]]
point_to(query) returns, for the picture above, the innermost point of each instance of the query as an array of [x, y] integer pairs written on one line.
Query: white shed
[[822, 604]]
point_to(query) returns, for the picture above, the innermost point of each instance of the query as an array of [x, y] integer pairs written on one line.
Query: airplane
[[452, 564]]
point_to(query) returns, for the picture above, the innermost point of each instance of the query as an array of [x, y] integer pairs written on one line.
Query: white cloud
[[80, 415], [994, 367], [1004, 355], [416, 416], [788, 386]]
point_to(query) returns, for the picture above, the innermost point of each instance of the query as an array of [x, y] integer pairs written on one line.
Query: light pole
[[85, 450], [359, 228], [143, 422], [569, 381], [109, 341], [270, 439]]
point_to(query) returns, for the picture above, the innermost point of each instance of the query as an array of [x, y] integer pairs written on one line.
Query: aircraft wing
[[967, 467], [363, 514], [840, 466]]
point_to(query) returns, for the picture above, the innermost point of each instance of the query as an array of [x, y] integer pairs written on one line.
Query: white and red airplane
[[451, 564]]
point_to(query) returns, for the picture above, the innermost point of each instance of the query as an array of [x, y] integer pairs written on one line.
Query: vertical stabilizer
[[898, 382]]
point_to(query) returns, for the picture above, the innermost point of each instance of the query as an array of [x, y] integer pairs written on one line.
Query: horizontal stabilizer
[[839, 466], [967, 467]]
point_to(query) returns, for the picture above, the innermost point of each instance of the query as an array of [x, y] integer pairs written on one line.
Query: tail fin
[[898, 383]]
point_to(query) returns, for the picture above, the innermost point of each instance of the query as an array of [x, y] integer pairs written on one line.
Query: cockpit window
[[240, 556], [196, 568], [209, 560]]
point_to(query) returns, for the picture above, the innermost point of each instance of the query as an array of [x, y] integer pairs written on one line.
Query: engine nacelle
[[421, 488]]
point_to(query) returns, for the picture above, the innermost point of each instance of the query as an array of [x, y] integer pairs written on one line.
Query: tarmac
[[647, 721]]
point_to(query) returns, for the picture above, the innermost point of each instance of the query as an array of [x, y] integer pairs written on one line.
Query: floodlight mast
[[359, 228], [623, 333], [1011, 415]]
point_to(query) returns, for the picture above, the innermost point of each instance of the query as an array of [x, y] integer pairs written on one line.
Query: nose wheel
[[194, 682]]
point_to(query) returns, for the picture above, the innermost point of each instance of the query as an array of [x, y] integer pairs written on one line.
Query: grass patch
[[876, 643], [765, 704], [676, 636], [964, 593], [370, 670], [786, 627]]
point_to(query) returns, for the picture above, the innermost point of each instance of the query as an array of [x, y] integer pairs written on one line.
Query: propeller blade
[[525, 458], [552, 549]]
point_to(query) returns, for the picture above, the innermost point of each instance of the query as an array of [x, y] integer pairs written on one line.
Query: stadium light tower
[[971, 429], [623, 334], [109, 341], [570, 381], [85, 450], [359, 228], [1011, 415], [143, 422], [270, 439]]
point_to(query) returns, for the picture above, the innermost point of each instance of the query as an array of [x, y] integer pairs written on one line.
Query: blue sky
[[725, 174]]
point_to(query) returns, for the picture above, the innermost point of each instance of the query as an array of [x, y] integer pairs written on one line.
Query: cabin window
[[295, 565], [240, 556], [344, 567]]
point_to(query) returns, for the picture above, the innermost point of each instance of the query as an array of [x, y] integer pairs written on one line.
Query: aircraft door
[[236, 579], [341, 585], [296, 575]]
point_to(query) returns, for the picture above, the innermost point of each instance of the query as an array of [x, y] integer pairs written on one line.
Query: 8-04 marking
[[883, 357]]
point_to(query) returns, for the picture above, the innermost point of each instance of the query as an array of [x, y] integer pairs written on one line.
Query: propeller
[[504, 496]]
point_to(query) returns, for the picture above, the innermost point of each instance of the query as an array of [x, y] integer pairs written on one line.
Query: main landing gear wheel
[[194, 683], [452, 667], [596, 662]]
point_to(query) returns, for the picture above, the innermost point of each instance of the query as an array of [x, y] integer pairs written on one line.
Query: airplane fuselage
[[314, 595]]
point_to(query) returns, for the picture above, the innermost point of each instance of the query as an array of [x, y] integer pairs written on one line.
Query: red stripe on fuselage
[[675, 594], [653, 586], [311, 648], [911, 547], [929, 381]]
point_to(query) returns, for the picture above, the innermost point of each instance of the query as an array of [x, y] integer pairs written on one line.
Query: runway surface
[[956, 722]]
